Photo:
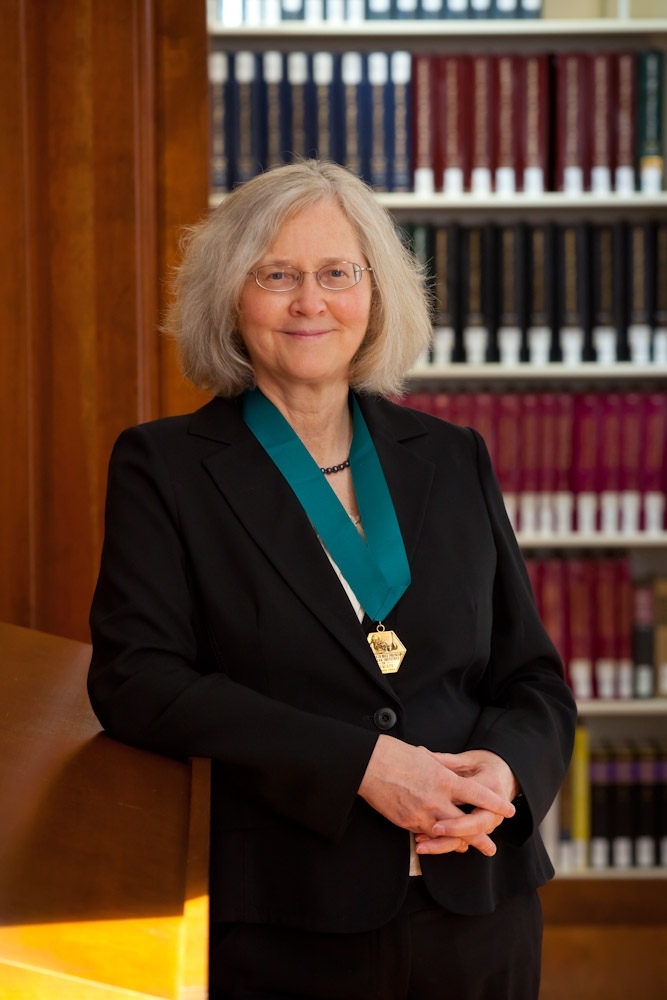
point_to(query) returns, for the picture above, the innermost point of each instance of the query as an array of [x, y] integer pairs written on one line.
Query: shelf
[[601, 708], [501, 35], [573, 540], [612, 874], [550, 206], [587, 371]]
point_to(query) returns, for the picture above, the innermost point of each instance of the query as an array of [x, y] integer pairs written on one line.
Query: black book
[[248, 122], [646, 831], [641, 278], [573, 275], [448, 328], [604, 332], [541, 342], [624, 805], [479, 293], [511, 292], [601, 778]]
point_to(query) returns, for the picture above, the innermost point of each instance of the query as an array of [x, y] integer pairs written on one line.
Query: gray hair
[[219, 252]]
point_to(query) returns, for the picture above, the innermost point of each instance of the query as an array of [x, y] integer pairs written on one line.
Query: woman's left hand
[[488, 769]]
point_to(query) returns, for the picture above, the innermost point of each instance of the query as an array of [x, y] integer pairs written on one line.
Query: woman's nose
[[308, 296]]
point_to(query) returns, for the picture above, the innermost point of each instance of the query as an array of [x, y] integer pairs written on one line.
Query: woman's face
[[308, 335]]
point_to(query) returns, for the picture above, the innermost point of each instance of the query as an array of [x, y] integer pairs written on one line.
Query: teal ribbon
[[376, 569]]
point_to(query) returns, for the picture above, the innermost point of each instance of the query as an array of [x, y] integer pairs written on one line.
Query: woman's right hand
[[409, 786]]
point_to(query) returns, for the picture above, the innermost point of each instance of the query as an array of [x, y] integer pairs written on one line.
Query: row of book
[[610, 630], [265, 13], [450, 123], [570, 122], [611, 811], [540, 293], [589, 462]]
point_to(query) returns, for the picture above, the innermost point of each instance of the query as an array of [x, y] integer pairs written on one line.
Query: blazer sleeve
[[529, 714], [156, 683]]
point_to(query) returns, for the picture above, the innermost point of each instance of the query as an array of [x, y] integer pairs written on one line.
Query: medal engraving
[[387, 648]]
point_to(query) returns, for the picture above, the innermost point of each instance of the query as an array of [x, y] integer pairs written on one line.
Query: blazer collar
[[271, 514]]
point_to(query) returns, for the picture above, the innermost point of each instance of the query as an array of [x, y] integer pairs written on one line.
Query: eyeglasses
[[335, 276]]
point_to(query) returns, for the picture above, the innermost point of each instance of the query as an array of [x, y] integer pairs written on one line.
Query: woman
[[320, 590]]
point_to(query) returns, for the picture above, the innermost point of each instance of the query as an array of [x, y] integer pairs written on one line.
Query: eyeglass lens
[[337, 275]]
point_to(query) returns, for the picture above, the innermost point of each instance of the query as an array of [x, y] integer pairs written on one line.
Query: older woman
[[320, 590]]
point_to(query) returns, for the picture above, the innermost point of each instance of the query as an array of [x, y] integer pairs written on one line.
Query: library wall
[[106, 159]]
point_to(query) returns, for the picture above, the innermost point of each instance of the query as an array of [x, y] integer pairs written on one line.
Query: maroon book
[[605, 641], [586, 438], [507, 460], [572, 123], [580, 584], [481, 117], [505, 114], [530, 461], [533, 122], [452, 139], [624, 121], [600, 86], [423, 122], [653, 465]]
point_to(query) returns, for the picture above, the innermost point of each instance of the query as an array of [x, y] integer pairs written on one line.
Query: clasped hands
[[424, 791]]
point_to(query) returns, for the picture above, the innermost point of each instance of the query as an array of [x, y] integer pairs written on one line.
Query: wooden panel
[[93, 184], [103, 848], [584, 962]]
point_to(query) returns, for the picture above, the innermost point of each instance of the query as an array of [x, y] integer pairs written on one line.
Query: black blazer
[[220, 629]]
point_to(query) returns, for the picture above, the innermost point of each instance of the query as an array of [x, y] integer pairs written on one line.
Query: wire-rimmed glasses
[[335, 276]]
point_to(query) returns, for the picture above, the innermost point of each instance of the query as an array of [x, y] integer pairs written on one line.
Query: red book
[[600, 68], [420, 401], [481, 114], [571, 157], [484, 418], [623, 617], [606, 683], [609, 469], [423, 122], [442, 405], [533, 131], [505, 91], [624, 121], [462, 409], [632, 450], [554, 605], [452, 142], [655, 447], [546, 523], [562, 462], [580, 582], [586, 433], [534, 569], [529, 462], [507, 460]]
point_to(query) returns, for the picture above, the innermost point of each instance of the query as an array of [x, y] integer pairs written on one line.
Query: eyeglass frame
[[358, 271]]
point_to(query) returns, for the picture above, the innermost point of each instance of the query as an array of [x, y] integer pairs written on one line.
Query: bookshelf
[[646, 551]]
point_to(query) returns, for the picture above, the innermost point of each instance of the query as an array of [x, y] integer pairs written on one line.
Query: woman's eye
[[276, 275]]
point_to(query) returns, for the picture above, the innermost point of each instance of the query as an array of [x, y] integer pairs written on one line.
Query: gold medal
[[387, 648]]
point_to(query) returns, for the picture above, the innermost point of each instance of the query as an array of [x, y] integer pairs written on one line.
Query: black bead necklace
[[336, 468]]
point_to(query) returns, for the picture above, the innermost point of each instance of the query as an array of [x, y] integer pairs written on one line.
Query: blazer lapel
[[266, 506]]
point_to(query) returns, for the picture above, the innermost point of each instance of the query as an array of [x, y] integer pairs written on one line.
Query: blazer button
[[385, 718]]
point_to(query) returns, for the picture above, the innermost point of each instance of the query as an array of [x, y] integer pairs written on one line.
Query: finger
[[467, 824], [446, 845], [442, 845], [471, 792]]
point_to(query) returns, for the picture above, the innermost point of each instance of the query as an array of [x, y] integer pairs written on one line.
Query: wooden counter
[[103, 848]]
